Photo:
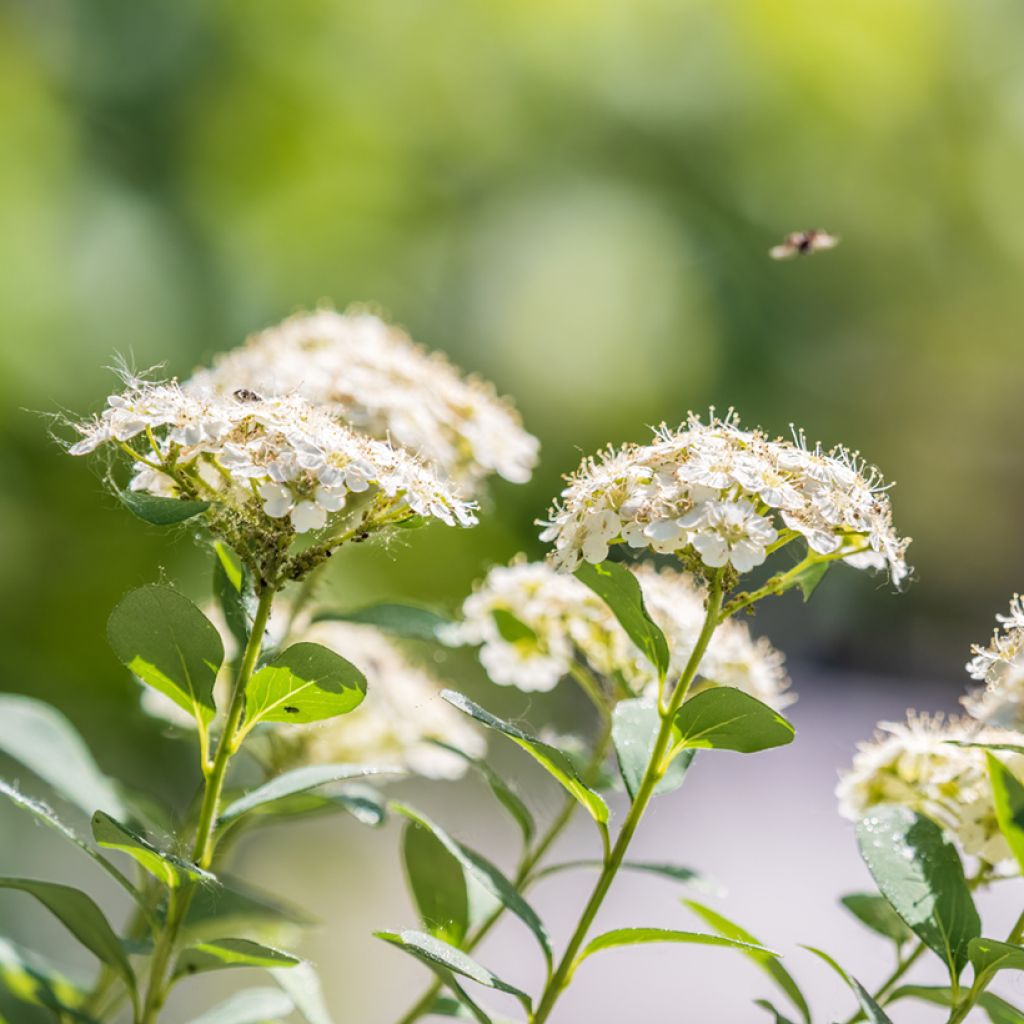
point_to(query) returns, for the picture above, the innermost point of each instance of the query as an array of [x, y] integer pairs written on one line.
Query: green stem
[[656, 768], [179, 900], [964, 1007]]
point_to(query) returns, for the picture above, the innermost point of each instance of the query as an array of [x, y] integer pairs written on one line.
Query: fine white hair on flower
[[1000, 666], [281, 454], [727, 497], [565, 621], [915, 764], [371, 375]]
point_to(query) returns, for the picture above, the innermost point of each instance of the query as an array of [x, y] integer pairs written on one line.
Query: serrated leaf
[[302, 984], [253, 1006], [43, 740], [305, 683], [919, 872], [550, 758], [404, 620], [635, 725], [999, 1011], [724, 718], [875, 912], [512, 629], [233, 590], [620, 590], [80, 915], [172, 871], [873, 1013], [1008, 798], [32, 979], [161, 511], [165, 640], [486, 874], [299, 780], [437, 883], [768, 963], [221, 954]]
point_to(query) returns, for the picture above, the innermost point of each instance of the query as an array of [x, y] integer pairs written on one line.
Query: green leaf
[[620, 590], [302, 984], [438, 884], [305, 683], [233, 905], [32, 979], [253, 1006], [170, 870], [1008, 797], [233, 591], [502, 791], [161, 511], [299, 780], [43, 740], [998, 1010], [724, 718], [809, 578], [635, 725], [919, 872], [219, 954], [634, 936], [767, 962], [443, 959], [555, 761], [364, 803], [873, 1013], [403, 620], [486, 874], [875, 912], [80, 915], [989, 956], [765, 1005], [48, 817], [511, 629], [170, 644], [670, 871]]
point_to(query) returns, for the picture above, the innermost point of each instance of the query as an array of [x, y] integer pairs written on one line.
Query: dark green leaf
[[919, 872], [43, 740], [219, 954], [170, 644], [400, 619], [302, 984], [253, 1006], [620, 590], [233, 591], [512, 629], [486, 874], [767, 962], [80, 915], [873, 1013], [809, 578], [635, 725], [170, 870], [161, 511], [555, 761], [305, 683], [724, 718], [998, 1010], [875, 912], [32, 979], [299, 780], [989, 956], [437, 883], [1008, 797]]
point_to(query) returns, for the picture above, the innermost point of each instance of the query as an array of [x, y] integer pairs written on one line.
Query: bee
[[801, 243], [245, 395]]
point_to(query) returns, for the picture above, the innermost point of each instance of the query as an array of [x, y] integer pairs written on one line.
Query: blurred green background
[[573, 197]]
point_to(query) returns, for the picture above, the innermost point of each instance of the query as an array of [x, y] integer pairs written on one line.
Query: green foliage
[[32, 979], [1008, 797], [553, 760], [165, 640], [635, 725], [620, 590], [305, 683], [919, 872], [165, 867], [251, 1006], [988, 956], [233, 591], [998, 1010], [672, 872], [437, 883], [873, 1013], [766, 1005], [219, 954], [876, 912], [160, 511], [724, 718], [404, 620]]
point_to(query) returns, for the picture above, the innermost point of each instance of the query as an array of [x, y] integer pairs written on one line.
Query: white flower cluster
[[1000, 666], [294, 459], [566, 620], [372, 376], [915, 765], [729, 495]]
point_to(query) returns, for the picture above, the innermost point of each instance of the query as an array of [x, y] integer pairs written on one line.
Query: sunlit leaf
[[1008, 797], [219, 954], [724, 718], [32, 979], [170, 870]]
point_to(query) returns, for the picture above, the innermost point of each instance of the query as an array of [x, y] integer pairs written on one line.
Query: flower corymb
[[1000, 666], [723, 496]]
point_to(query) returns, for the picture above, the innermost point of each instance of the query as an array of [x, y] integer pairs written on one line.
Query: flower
[[558, 620], [1000, 666], [372, 376], [916, 765], [280, 456], [719, 495]]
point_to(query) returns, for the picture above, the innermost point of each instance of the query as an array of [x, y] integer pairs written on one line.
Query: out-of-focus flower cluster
[[726, 497], [924, 765], [371, 375], [564, 621]]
